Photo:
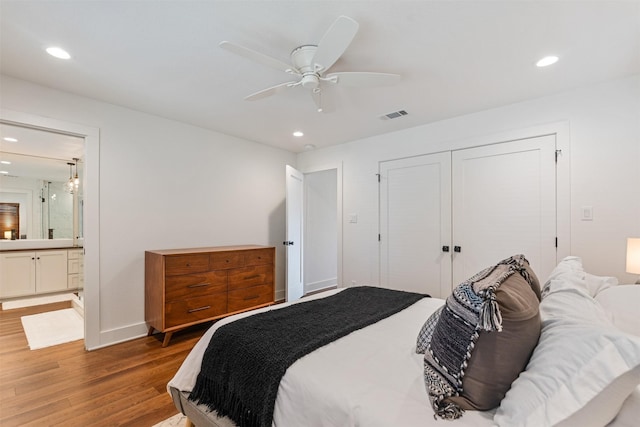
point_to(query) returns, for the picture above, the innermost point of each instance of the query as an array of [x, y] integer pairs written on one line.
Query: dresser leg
[[188, 423], [167, 337], [150, 331]]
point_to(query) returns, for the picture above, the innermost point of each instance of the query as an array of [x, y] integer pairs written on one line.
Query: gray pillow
[[482, 339]]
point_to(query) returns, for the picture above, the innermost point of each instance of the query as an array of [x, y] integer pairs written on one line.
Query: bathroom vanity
[[39, 267]]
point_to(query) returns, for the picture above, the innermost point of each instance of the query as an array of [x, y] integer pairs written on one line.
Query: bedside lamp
[[633, 257]]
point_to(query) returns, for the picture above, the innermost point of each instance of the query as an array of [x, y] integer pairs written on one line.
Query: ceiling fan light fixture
[[547, 60], [298, 134]]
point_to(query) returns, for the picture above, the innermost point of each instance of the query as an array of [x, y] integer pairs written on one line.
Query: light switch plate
[[353, 218], [586, 213]]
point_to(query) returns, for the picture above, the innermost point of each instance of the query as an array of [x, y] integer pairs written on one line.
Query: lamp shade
[[633, 255]]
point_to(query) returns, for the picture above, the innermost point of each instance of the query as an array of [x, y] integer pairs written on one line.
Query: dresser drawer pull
[[251, 297], [255, 276], [198, 285], [193, 310]]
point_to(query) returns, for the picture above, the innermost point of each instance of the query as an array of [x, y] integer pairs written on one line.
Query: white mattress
[[372, 377]]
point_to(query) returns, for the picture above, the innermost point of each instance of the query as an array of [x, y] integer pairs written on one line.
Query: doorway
[[90, 213], [314, 230]]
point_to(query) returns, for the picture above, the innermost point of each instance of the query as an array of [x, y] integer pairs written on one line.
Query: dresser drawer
[[250, 276], [250, 297], [185, 264], [197, 309], [258, 257], [227, 259], [194, 285]]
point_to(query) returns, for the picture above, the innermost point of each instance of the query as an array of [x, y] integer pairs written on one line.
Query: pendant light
[[74, 182]]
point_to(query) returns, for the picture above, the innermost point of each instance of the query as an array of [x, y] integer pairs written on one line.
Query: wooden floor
[[120, 385]]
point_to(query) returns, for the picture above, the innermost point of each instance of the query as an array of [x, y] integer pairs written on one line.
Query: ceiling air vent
[[394, 115]]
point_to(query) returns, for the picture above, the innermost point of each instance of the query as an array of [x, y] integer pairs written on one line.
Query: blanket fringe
[[449, 411]]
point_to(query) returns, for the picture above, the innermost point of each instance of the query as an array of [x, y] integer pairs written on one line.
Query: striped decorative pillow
[[482, 338]]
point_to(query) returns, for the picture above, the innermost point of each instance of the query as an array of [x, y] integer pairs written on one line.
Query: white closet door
[[415, 223], [504, 204]]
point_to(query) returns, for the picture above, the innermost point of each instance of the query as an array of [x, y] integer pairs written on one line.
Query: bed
[[585, 369]]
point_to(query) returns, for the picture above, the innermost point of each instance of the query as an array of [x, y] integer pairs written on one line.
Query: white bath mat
[[175, 421], [53, 327]]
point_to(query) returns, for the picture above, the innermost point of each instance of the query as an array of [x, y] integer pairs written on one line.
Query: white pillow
[[568, 274], [597, 284], [572, 275], [621, 303], [581, 371]]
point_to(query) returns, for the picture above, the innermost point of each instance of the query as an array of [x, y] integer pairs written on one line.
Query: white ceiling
[[455, 58]]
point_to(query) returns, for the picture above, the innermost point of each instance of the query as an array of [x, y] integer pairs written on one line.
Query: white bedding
[[372, 377]]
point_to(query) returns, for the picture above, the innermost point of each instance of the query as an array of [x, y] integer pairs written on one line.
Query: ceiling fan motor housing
[[302, 57]]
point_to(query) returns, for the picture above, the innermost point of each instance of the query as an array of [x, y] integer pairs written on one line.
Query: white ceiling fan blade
[[362, 79], [258, 57], [334, 42], [270, 91]]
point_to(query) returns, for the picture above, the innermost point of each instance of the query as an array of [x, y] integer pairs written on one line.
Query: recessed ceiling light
[[546, 61], [298, 133], [58, 52], [9, 139], [4, 172], [5, 162]]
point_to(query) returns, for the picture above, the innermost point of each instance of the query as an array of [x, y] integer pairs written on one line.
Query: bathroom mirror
[[36, 201]]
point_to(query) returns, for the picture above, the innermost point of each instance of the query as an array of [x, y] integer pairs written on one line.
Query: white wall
[[164, 184], [604, 136]]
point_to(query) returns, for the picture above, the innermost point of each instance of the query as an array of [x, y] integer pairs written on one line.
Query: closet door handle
[[445, 249], [457, 249]]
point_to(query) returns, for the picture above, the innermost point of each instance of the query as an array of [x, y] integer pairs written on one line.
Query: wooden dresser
[[184, 287]]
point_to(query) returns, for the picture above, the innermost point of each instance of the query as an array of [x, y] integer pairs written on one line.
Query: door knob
[[445, 249], [457, 249], [287, 243]]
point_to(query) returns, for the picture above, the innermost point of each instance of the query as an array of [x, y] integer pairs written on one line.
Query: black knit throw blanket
[[246, 359]]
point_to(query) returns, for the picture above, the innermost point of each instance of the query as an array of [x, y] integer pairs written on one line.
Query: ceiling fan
[[310, 63]]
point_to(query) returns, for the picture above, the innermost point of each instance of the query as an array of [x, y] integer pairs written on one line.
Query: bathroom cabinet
[[24, 273]]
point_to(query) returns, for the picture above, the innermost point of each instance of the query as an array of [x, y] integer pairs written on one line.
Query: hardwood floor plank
[[120, 385]]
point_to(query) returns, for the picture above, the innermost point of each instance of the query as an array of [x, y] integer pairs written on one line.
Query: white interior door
[[504, 204], [294, 286], [415, 224]]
